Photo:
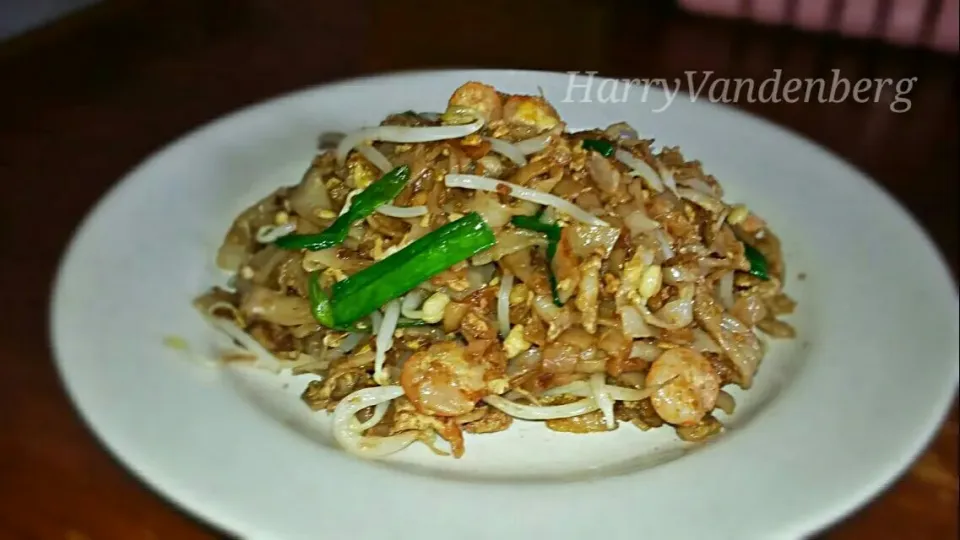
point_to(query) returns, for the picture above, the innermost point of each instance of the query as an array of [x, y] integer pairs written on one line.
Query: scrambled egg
[[531, 111], [515, 342], [361, 173]]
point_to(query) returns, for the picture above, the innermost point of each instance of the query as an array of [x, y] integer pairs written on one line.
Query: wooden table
[[84, 102]]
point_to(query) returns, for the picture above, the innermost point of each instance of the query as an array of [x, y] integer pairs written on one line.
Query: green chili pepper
[[367, 290], [604, 148], [553, 232], [758, 263], [363, 204]]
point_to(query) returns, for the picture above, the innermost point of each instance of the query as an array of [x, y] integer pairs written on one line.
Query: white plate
[[834, 415]]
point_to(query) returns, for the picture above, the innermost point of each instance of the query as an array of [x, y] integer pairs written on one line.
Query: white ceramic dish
[[834, 415]]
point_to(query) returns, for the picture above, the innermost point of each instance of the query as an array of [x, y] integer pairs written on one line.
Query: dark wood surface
[[82, 103]]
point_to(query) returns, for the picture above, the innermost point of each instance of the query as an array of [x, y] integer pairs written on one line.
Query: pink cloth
[[925, 23]]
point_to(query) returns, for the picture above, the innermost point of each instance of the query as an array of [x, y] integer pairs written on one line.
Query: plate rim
[[891, 472]]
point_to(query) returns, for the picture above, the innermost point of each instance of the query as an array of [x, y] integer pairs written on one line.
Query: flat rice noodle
[[264, 262], [339, 258], [520, 265], [240, 240], [604, 174], [621, 131], [495, 213], [589, 239], [311, 196], [614, 343], [530, 171], [639, 223], [526, 362], [547, 184], [557, 318], [275, 307], [510, 241], [736, 339], [750, 309], [560, 357]]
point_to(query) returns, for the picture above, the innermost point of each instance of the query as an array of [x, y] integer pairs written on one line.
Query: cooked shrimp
[[442, 380], [691, 394], [480, 97]]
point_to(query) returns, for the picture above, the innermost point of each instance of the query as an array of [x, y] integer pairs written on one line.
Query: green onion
[[320, 304], [758, 263], [322, 308], [604, 148], [553, 232], [533, 223], [363, 204], [364, 292]]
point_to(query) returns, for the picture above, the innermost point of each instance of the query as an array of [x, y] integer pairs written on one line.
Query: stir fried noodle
[[450, 273]]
